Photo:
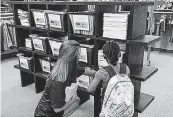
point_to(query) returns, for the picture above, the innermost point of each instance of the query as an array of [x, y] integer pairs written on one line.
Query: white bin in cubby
[[57, 20], [40, 18], [25, 62], [40, 44], [45, 65], [84, 81], [86, 53], [55, 45], [28, 43], [24, 21]]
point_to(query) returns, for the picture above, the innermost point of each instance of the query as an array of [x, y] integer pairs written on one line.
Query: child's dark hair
[[112, 51]]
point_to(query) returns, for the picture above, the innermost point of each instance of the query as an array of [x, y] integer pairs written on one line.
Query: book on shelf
[[23, 17], [115, 25], [82, 24]]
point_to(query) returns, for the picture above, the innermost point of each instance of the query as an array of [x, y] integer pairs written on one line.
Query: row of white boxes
[[26, 62], [81, 23], [40, 43], [46, 18], [57, 20]]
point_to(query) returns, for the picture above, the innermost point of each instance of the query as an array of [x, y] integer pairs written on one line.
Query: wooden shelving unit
[[135, 44], [10, 53]]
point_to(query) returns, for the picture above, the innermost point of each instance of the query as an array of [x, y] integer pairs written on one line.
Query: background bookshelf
[[135, 43], [8, 40]]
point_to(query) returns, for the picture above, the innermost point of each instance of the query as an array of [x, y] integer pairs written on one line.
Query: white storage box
[[86, 54], [28, 43], [25, 62], [40, 43], [45, 65], [55, 46], [84, 81], [40, 18], [82, 24], [56, 20]]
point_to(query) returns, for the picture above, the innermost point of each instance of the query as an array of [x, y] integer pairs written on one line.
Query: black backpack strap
[[122, 68], [110, 71]]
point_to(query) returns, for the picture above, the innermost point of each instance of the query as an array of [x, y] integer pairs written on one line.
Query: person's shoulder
[[101, 70], [101, 73]]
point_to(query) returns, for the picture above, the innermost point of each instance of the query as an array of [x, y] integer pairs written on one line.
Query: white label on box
[[38, 44], [56, 47], [24, 63], [55, 21], [46, 66], [83, 81], [81, 22], [39, 18], [28, 43], [83, 55]]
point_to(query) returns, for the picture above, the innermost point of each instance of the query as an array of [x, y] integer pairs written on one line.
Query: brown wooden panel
[[135, 56], [144, 40], [143, 73], [142, 102], [138, 18]]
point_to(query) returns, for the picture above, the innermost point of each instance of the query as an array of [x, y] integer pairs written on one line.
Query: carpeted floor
[[20, 101]]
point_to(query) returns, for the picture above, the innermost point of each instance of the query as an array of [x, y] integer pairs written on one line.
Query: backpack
[[118, 99]]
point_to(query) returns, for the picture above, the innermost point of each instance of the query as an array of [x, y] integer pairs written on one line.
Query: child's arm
[[68, 104], [89, 72]]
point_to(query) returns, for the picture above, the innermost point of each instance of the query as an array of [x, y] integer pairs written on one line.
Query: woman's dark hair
[[111, 50]]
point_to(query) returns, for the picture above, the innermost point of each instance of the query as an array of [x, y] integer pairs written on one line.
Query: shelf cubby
[[142, 102], [22, 34], [143, 73], [24, 70], [16, 7], [25, 49]]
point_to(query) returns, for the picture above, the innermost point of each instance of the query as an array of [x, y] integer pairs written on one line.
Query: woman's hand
[[89, 72]]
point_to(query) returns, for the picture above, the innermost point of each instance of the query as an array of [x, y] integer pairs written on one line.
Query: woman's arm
[[93, 85], [68, 104], [89, 72], [85, 71]]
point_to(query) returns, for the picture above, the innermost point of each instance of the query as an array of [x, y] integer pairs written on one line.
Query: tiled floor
[[18, 101]]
